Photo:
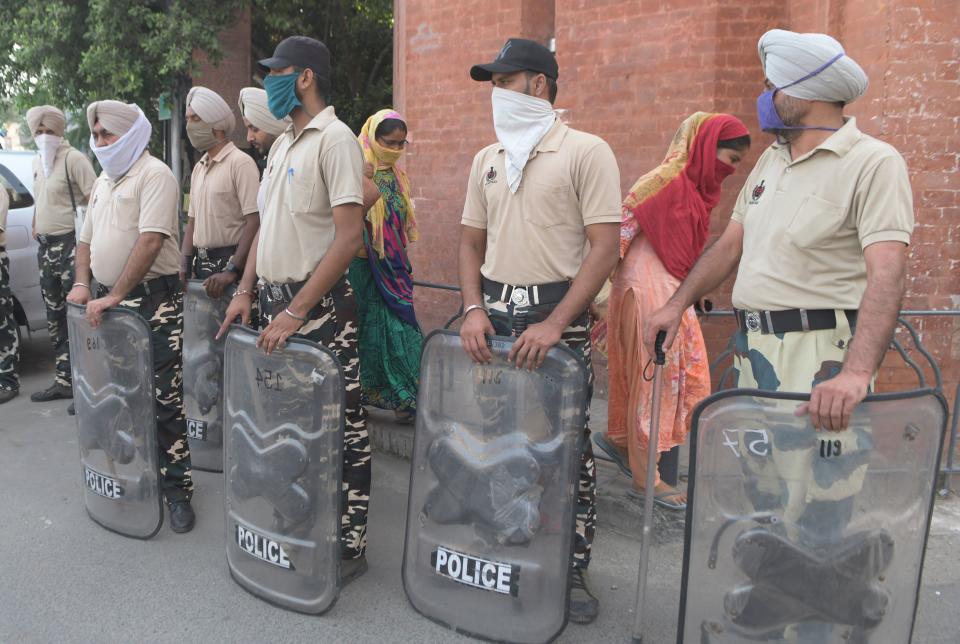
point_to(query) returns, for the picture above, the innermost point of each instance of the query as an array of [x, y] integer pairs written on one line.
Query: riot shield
[[795, 535], [282, 463], [203, 376], [491, 510], [116, 420]]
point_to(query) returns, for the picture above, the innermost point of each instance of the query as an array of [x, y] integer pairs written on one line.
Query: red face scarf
[[671, 204]]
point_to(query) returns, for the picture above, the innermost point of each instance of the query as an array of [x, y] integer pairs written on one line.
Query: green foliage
[[69, 53], [359, 34]]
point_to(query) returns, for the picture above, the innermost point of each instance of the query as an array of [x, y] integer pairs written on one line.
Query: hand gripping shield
[[203, 376], [116, 420], [806, 536], [283, 449], [491, 513]]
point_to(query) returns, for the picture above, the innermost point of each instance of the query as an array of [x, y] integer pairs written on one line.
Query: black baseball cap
[[519, 55], [300, 51]]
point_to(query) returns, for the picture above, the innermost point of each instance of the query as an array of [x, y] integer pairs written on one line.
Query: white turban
[[787, 57], [48, 116], [116, 117], [253, 106], [212, 109]]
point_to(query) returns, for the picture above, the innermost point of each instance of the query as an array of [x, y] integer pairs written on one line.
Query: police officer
[[262, 128], [223, 217], [9, 336], [62, 179], [311, 230], [129, 245], [533, 200], [819, 232]]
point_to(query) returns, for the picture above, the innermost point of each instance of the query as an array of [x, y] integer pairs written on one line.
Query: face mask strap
[[813, 73]]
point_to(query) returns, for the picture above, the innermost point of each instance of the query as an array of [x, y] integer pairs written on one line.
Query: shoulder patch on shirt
[[758, 191], [490, 176]]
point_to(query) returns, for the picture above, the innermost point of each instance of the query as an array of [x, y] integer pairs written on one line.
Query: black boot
[[6, 395], [583, 606], [182, 517], [350, 569], [56, 391]]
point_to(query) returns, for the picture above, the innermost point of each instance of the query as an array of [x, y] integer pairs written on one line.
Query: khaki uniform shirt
[[143, 200], [54, 212], [309, 174], [536, 235], [223, 190], [4, 209], [806, 222]]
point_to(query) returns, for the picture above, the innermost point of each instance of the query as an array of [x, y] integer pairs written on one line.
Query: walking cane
[[652, 451]]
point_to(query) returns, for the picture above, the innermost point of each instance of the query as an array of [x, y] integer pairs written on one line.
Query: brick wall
[[232, 73], [631, 71]]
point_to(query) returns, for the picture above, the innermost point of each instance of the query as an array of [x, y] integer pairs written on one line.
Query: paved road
[[64, 579]]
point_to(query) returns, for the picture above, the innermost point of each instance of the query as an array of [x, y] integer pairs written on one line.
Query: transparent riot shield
[[283, 449], [491, 511], [795, 535], [203, 376], [116, 421]]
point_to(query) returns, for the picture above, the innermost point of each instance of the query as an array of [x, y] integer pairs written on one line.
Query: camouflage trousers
[[332, 323], [814, 495], [56, 261], [9, 339], [204, 268], [576, 337], [163, 311]]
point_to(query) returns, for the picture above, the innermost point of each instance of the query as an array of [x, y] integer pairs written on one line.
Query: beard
[[792, 111]]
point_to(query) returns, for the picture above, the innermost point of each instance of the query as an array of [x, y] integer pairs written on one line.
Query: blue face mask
[[767, 114], [281, 94]]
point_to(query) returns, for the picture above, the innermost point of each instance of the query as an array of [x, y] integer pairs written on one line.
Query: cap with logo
[[300, 51], [517, 55]]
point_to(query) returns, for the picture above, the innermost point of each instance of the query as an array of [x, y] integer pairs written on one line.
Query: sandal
[[405, 417], [609, 452], [660, 499]]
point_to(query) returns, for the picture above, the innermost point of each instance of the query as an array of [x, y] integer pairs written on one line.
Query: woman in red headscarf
[[664, 227]]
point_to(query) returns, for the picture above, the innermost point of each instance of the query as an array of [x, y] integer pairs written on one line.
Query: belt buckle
[[202, 253], [752, 319], [276, 292], [42, 239], [519, 297]]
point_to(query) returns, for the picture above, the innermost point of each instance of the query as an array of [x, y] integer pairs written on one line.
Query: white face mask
[[520, 122], [47, 146], [116, 158]]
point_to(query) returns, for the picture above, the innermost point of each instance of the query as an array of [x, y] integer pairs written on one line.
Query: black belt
[[792, 320], [215, 253], [281, 292], [164, 284], [533, 295], [46, 240]]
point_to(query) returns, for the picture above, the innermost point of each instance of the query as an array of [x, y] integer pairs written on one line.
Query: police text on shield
[[105, 486], [263, 548], [479, 573]]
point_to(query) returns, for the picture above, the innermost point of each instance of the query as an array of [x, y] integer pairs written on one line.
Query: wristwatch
[[232, 268]]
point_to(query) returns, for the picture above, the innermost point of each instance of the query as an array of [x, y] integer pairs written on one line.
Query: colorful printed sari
[[664, 227], [390, 337]]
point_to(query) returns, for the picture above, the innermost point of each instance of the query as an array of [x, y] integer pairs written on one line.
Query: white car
[[16, 177]]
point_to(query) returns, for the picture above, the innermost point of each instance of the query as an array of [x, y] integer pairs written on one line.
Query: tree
[[359, 34], [69, 53]]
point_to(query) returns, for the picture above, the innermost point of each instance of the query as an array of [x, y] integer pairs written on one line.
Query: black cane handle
[[661, 358]]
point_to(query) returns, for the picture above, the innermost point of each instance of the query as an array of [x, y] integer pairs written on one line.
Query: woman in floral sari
[[664, 227], [389, 335]]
